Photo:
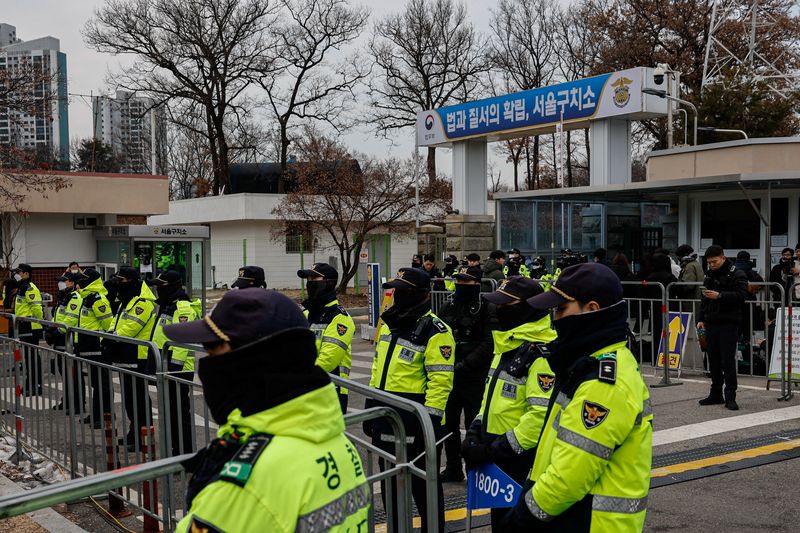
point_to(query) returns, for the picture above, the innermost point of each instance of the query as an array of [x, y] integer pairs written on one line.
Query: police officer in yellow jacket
[[592, 467], [330, 323], [29, 304], [67, 312], [507, 428], [95, 315], [136, 319], [175, 307], [281, 462], [414, 359]]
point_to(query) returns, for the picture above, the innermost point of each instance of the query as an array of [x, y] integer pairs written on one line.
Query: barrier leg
[[116, 505], [150, 500]]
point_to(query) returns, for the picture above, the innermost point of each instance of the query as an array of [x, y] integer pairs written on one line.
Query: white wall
[[270, 254], [50, 240]]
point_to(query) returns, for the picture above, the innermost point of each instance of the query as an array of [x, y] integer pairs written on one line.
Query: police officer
[[29, 305], [281, 462], [174, 307], [414, 359], [469, 318], [250, 276], [135, 319], [515, 264], [67, 312], [506, 431], [95, 315], [331, 324], [450, 268], [592, 467]]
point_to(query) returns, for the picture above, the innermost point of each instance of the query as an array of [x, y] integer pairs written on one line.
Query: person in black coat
[[721, 316]]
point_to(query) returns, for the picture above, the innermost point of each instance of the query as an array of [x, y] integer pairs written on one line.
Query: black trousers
[[466, 398], [721, 348], [136, 400], [75, 376], [31, 359], [418, 489], [181, 414]]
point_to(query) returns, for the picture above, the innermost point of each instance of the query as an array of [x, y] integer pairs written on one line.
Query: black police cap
[[518, 288], [167, 277], [319, 269], [584, 282], [248, 274], [410, 278], [474, 273]]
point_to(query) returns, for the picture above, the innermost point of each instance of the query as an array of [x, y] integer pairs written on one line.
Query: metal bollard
[[148, 441], [116, 505]]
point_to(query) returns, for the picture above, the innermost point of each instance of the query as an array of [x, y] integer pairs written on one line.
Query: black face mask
[[126, 287], [466, 293], [408, 298], [513, 316], [316, 289], [168, 292]]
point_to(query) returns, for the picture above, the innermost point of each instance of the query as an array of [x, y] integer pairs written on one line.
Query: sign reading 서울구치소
[[791, 337], [606, 95]]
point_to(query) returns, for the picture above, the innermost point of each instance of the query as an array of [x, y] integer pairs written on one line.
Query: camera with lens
[[569, 258]]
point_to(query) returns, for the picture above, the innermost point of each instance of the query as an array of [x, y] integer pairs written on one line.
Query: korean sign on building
[[618, 94]]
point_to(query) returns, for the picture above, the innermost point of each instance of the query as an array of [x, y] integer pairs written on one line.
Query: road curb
[[47, 518]]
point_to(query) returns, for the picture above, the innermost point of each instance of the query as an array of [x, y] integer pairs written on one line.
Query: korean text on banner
[[488, 487], [678, 326], [793, 337]]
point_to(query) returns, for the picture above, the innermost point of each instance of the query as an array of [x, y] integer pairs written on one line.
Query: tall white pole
[[416, 179], [152, 140]]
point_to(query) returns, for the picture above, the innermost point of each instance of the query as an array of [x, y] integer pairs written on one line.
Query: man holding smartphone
[[724, 292]]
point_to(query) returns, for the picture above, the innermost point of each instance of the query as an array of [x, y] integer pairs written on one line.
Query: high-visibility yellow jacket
[[179, 359], [515, 405], [29, 304], [96, 312], [417, 364], [137, 321], [334, 331], [309, 477], [67, 313], [593, 461]]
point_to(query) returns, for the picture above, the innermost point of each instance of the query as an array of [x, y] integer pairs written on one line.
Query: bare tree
[[347, 199], [300, 77], [25, 90], [428, 56], [523, 49], [200, 52], [495, 182]]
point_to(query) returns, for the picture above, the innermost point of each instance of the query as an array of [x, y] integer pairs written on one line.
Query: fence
[[439, 298], [180, 422]]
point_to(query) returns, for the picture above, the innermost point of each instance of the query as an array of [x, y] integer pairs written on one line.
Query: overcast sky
[[87, 70]]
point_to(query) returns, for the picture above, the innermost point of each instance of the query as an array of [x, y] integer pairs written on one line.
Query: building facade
[[43, 124], [135, 128]]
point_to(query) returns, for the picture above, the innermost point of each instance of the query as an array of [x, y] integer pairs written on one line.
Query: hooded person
[[414, 359], [470, 318], [250, 276], [96, 314], [280, 425], [175, 307], [592, 466], [517, 391], [332, 325]]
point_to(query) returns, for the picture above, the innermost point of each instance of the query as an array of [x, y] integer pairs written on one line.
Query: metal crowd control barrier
[[48, 496], [440, 298], [641, 319]]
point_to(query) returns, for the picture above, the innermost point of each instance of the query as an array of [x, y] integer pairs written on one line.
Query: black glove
[[476, 454], [367, 427], [50, 336], [501, 449], [520, 519], [438, 428]]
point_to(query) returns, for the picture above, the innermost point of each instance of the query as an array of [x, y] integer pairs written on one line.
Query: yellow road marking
[[461, 513], [727, 458]]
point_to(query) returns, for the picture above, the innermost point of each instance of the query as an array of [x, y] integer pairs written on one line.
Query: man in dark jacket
[[721, 315], [494, 266], [468, 316], [782, 274]]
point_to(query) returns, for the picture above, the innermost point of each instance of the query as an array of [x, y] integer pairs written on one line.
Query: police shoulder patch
[[607, 372], [593, 414], [73, 306], [101, 308], [138, 310], [31, 295], [341, 329], [545, 381], [446, 351], [201, 526], [239, 468]]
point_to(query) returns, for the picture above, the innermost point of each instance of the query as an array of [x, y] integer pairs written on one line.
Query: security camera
[[658, 75]]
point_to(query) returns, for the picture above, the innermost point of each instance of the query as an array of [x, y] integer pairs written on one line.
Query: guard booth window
[[732, 224]]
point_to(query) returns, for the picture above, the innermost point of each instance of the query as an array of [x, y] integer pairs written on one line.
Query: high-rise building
[[43, 124], [134, 127]]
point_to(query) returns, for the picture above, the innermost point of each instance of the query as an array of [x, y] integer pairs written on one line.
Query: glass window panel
[[586, 227], [516, 225], [732, 224]]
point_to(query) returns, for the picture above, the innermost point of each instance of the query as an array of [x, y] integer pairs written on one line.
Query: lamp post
[[724, 130], [663, 94], [685, 126]]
